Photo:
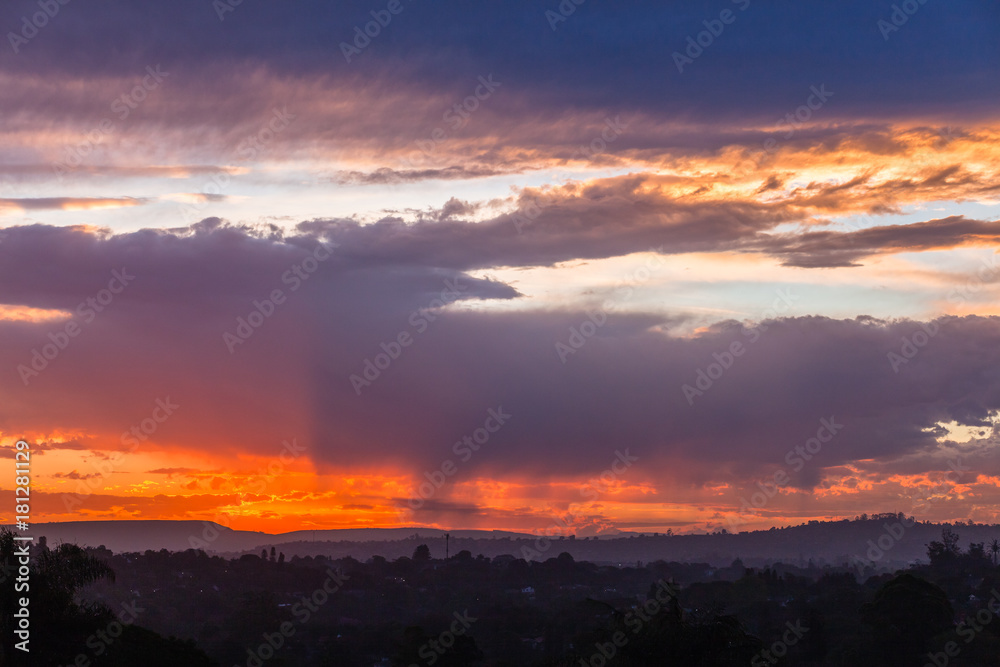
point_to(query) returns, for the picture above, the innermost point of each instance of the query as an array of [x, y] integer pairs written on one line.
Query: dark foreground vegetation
[[94, 607]]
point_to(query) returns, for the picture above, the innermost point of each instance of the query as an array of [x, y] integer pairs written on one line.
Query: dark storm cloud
[[831, 249], [619, 216], [603, 219], [386, 176], [166, 327], [762, 63], [622, 388]]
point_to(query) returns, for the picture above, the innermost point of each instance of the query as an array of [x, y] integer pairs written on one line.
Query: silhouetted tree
[[945, 551], [63, 628], [906, 613], [422, 553], [417, 647]]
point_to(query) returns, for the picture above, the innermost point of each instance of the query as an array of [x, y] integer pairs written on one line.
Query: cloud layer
[[618, 384], [227, 230]]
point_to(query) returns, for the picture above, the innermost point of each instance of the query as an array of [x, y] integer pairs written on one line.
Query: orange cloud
[[67, 203]]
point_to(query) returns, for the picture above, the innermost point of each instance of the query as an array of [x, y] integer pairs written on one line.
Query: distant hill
[[120, 536], [879, 540]]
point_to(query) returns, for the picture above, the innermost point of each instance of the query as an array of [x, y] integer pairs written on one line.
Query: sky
[[581, 267]]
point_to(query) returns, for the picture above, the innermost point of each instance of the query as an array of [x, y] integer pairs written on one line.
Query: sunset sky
[[614, 262]]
